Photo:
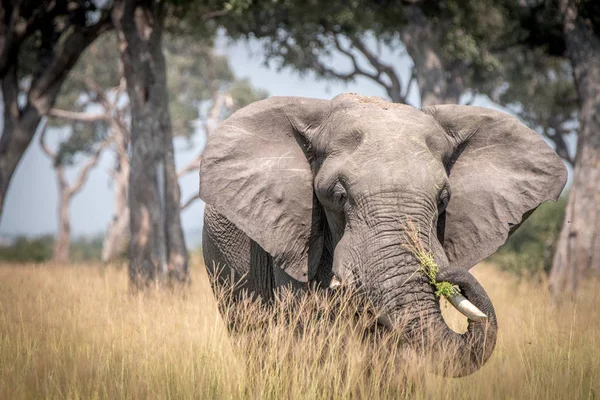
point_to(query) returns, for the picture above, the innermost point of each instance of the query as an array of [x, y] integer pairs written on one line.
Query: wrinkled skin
[[299, 190]]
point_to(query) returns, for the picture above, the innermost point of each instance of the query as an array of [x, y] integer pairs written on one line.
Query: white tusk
[[466, 308], [335, 283]]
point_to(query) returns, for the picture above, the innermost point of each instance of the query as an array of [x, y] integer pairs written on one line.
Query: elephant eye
[[443, 199], [339, 194]]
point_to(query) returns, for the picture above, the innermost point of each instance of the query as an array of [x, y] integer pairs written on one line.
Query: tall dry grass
[[74, 332]]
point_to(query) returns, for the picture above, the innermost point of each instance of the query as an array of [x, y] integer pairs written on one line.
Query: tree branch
[[9, 38], [191, 166], [84, 172], [213, 14], [12, 111], [325, 71], [357, 69], [46, 86], [43, 144], [559, 140], [413, 78], [218, 102], [189, 202], [60, 172], [77, 116], [395, 89]]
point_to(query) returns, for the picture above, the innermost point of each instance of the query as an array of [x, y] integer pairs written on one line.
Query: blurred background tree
[[61, 158], [93, 106], [40, 42], [567, 32]]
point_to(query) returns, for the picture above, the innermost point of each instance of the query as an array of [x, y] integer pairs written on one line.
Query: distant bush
[[40, 249], [530, 249], [86, 248], [26, 249]]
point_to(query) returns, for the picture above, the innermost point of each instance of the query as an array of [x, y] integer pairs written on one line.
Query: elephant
[[303, 191]]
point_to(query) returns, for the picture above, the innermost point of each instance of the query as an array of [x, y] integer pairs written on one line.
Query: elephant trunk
[[460, 354]]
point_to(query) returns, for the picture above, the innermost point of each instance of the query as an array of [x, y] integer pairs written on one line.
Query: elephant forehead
[[370, 170]]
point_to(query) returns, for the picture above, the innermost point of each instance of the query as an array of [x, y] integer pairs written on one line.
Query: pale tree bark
[[578, 250], [116, 238], [66, 192], [157, 247], [117, 234], [56, 58]]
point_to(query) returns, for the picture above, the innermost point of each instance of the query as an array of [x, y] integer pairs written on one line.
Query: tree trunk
[[19, 129], [578, 249], [55, 61], [437, 83], [117, 234], [62, 246], [157, 247]]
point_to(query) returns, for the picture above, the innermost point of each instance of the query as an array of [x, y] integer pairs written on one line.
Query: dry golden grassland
[[75, 332]]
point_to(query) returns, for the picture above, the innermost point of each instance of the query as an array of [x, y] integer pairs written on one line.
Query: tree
[[39, 44], [200, 85], [157, 247], [114, 115], [539, 89], [450, 45], [564, 35], [95, 84], [66, 191], [578, 250]]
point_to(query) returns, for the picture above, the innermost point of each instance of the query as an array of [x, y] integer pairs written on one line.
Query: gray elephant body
[[300, 190]]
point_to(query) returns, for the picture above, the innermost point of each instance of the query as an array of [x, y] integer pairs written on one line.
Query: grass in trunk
[[427, 264]]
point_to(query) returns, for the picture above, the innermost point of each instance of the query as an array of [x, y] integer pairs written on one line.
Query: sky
[[31, 204]]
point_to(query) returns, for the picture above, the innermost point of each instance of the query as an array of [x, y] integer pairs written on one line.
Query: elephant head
[[339, 183]]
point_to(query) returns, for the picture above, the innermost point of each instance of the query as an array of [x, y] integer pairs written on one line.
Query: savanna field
[[74, 332]]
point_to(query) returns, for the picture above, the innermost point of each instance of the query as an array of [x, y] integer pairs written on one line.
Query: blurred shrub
[[86, 248], [530, 249], [39, 249], [26, 249]]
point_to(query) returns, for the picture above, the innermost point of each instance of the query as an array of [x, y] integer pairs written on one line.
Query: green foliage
[[40, 249], [299, 33], [100, 64], [469, 31], [430, 269], [243, 93], [541, 85], [529, 250], [427, 264], [193, 72], [86, 248], [28, 250]]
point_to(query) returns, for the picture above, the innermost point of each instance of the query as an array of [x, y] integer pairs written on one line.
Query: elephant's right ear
[[255, 172]]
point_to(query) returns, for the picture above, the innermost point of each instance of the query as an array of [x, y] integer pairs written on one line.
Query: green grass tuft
[[428, 266], [445, 289]]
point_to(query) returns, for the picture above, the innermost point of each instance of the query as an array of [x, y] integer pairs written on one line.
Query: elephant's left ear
[[500, 171]]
